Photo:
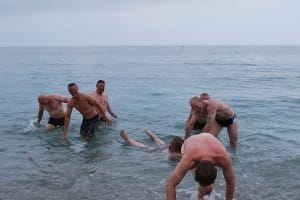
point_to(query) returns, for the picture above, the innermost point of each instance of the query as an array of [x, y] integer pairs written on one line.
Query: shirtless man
[[102, 98], [174, 149], [53, 104], [202, 154], [86, 105], [219, 115], [196, 119]]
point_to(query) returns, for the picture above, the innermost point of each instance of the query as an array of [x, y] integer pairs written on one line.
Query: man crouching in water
[[85, 105], [53, 103], [202, 154]]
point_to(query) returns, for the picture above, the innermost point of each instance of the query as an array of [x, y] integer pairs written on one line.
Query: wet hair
[[71, 85], [100, 81], [176, 144], [205, 173]]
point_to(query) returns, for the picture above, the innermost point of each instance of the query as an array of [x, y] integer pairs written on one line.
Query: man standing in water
[[53, 104], [219, 115], [86, 105], [196, 119], [202, 154], [102, 98]]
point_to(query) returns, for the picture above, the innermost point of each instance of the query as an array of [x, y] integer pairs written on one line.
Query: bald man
[[53, 103], [219, 115], [196, 119]]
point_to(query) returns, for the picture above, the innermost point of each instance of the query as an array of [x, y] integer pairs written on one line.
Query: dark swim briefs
[[89, 126], [198, 126], [56, 122], [227, 122]]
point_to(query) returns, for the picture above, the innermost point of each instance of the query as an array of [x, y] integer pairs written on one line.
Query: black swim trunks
[[227, 122], [199, 126], [89, 126], [100, 119], [56, 122]]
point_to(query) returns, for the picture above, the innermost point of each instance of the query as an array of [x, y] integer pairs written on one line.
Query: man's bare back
[[198, 149], [223, 111]]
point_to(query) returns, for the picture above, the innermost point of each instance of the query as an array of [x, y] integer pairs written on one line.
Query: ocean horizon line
[[155, 45]]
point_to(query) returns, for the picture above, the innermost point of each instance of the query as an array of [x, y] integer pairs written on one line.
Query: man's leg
[[215, 129], [49, 127], [154, 137], [131, 141], [233, 132]]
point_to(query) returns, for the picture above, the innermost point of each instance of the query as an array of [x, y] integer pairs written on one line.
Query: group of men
[[92, 107], [200, 153]]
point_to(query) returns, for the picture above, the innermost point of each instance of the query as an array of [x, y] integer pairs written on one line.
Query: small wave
[[157, 94], [30, 127], [193, 193], [220, 64]]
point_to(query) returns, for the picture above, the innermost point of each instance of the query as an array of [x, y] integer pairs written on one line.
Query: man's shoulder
[[71, 101]]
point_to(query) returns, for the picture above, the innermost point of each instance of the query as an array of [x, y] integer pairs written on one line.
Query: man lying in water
[[174, 146]]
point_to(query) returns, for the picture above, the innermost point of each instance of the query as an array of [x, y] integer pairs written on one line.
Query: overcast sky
[[148, 22]]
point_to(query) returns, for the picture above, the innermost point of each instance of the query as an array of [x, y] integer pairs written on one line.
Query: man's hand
[[114, 115], [107, 121], [37, 124]]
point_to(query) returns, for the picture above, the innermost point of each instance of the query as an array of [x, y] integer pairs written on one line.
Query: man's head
[[42, 99], [205, 173], [175, 148], [100, 86], [204, 96], [196, 104], [175, 145], [73, 88]]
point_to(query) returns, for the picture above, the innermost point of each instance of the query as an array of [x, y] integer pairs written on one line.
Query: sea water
[[149, 87]]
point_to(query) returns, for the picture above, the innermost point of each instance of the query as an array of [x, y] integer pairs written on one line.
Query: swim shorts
[[227, 122], [56, 122], [199, 125], [100, 119], [89, 126], [182, 149]]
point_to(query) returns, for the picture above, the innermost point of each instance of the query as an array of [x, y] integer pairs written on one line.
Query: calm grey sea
[[148, 87]]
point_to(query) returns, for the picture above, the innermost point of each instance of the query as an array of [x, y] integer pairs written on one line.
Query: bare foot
[[124, 135]]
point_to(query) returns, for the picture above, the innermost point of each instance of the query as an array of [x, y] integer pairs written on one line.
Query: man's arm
[[211, 117], [178, 174], [40, 114], [109, 109], [189, 124], [62, 98], [229, 178], [65, 99], [93, 102], [67, 119]]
